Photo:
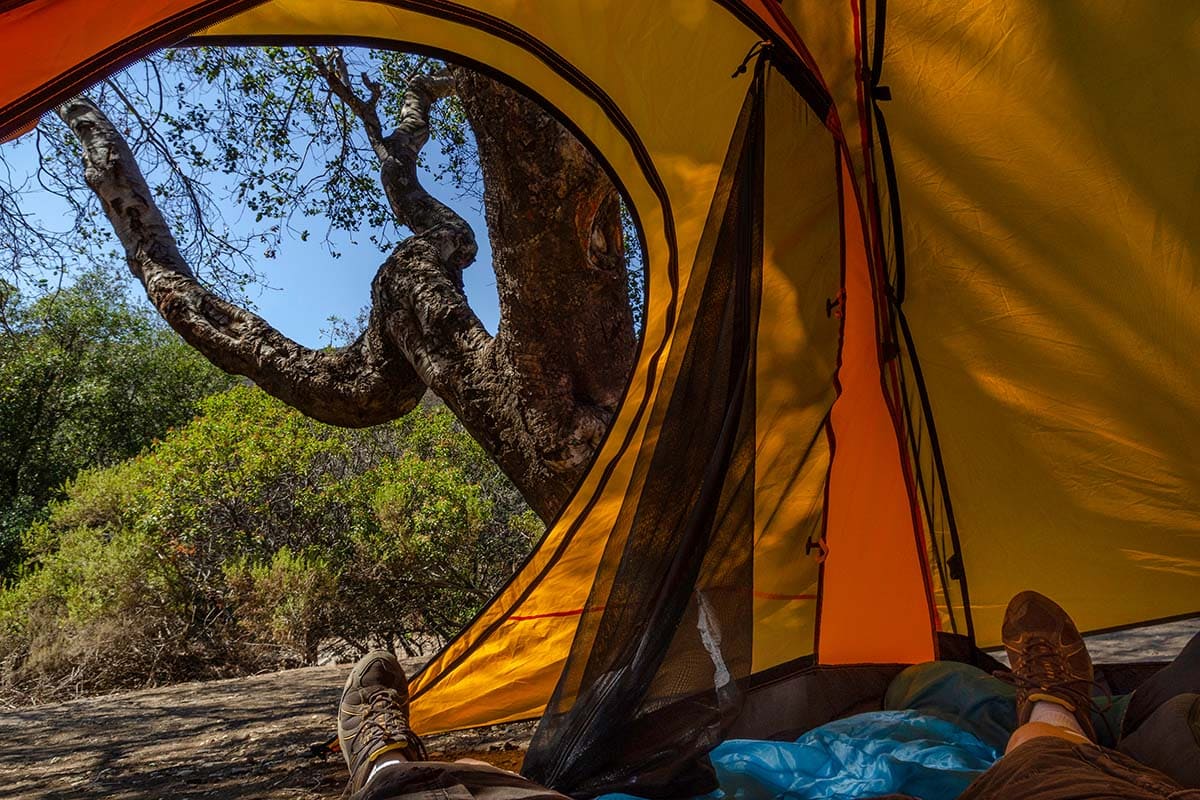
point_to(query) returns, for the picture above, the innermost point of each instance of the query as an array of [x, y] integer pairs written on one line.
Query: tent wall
[[1049, 180]]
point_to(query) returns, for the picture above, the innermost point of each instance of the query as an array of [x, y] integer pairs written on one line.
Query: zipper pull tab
[[755, 49]]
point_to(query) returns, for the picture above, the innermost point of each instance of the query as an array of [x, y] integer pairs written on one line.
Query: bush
[[289, 601], [254, 537], [86, 379], [99, 614]]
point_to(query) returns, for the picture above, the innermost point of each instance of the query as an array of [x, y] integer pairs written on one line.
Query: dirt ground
[[239, 739], [250, 737]]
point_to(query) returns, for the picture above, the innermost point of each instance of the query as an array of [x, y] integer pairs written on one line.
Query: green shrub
[[288, 601], [255, 537], [101, 612], [87, 378]]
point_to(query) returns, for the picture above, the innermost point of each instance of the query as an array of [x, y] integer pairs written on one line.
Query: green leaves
[[86, 378], [285, 147], [255, 537], [289, 600]]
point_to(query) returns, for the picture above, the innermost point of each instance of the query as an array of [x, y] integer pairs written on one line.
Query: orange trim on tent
[[889, 377], [51, 50], [874, 598], [573, 612]]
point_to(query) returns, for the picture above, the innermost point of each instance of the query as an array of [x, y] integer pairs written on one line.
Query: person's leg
[[1053, 755], [1047, 722], [1169, 740], [436, 780], [1161, 726], [387, 760], [1181, 676], [1052, 768]]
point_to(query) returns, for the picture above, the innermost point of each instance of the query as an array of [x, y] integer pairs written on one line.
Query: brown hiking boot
[[373, 717], [1048, 658]]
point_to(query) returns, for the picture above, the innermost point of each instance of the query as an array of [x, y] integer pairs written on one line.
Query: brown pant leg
[[1049, 768], [439, 780]]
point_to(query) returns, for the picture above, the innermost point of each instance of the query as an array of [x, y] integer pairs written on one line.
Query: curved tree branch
[[364, 384], [419, 289], [398, 152], [540, 394]]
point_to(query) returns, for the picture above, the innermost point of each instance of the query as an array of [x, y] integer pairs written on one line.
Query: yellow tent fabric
[[1047, 159], [956, 252]]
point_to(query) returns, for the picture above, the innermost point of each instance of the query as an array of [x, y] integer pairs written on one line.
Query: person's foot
[[373, 717], [1049, 660]]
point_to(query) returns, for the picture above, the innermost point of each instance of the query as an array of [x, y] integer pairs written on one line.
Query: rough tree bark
[[540, 394]]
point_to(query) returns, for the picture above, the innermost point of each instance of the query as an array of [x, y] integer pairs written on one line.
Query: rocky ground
[[250, 737]]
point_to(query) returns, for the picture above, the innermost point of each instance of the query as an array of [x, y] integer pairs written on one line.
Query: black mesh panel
[[656, 672]]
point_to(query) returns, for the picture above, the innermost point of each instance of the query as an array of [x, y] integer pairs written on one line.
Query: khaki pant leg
[[1049, 768]]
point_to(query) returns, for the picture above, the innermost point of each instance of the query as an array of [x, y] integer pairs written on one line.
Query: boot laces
[[385, 719], [1046, 671]]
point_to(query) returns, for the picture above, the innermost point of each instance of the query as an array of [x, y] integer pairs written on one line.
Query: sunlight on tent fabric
[[1052, 262]]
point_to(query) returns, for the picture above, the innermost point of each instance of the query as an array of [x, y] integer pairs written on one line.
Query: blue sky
[[307, 284], [312, 286]]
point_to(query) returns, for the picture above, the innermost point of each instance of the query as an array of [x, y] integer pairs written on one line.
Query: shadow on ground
[[242, 738], [237, 739]]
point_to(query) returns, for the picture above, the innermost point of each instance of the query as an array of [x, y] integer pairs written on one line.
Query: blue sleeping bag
[[867, 755], [948, 723]]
